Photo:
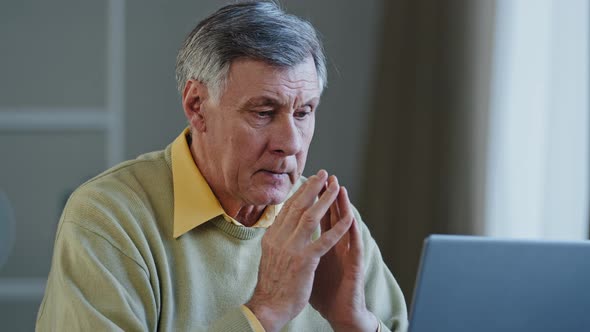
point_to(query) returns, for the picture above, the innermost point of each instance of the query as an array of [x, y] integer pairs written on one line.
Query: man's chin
[[272, 195]]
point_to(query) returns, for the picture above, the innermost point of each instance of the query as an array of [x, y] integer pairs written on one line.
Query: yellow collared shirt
[[195, 203]]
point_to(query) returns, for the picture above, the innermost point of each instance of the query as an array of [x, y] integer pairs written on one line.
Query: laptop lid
[[478, 284]]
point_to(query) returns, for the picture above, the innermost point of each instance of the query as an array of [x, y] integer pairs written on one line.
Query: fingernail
[[322, 174]]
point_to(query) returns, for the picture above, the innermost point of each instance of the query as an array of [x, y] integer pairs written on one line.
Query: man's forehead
[[303, 72], [258, 83]]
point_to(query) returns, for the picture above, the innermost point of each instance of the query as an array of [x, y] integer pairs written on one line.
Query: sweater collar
[[194, 201]]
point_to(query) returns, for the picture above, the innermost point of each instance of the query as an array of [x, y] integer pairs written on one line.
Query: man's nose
[[286, 136]]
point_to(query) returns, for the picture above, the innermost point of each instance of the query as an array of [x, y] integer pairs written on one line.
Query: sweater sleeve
[[383, 295], [94, 286]]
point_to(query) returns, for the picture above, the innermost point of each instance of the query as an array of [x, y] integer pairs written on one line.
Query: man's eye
[[302, 114], [263, 114]]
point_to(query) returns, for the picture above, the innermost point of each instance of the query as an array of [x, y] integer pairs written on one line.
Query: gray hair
[[257, 30]]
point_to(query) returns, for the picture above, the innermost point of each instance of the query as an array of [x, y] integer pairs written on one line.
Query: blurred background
[[455, 116]]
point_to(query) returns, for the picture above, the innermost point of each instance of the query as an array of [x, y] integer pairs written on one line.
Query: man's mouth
[[274, 172]]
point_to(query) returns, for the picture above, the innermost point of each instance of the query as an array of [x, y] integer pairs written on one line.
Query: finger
[[333, 213], [354, 234], [356, 243], [314, 186], [302, 203], [356, 250], [307, 195], [325, 186], [325, 222], [345, 213], [296, 203], [280, 217], [344, 204], [330, 217], [327, 241], [299, 191], [311, 217], [336, 209]]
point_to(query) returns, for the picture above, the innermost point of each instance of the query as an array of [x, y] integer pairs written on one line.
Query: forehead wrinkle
[[287, 89], [300, 84], [297, 78]]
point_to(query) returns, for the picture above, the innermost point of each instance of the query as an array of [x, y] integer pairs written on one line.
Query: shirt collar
[[194, 201]]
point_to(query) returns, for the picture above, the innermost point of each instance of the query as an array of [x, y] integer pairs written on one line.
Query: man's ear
[[193, 97]]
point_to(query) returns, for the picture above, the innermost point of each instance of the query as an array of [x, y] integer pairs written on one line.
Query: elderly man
[[196, 237]]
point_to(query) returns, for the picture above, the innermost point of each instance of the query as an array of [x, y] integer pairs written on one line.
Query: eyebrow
[[260, 102]]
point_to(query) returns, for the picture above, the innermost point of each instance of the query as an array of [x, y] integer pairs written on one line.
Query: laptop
[[478, 284]]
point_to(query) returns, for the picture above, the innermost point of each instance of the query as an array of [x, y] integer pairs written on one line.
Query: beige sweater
[[117, 267]]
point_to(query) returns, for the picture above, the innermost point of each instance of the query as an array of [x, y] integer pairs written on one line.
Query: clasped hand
[[327, 273]]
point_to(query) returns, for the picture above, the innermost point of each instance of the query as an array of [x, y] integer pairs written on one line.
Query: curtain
[[425, 159]]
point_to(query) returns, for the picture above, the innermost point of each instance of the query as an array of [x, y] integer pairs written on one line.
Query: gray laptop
[[478, 284]]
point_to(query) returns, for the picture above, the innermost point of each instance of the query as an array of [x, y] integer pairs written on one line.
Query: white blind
[[537, 170]]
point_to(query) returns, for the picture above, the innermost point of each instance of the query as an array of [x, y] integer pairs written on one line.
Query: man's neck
[[248, 215]]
